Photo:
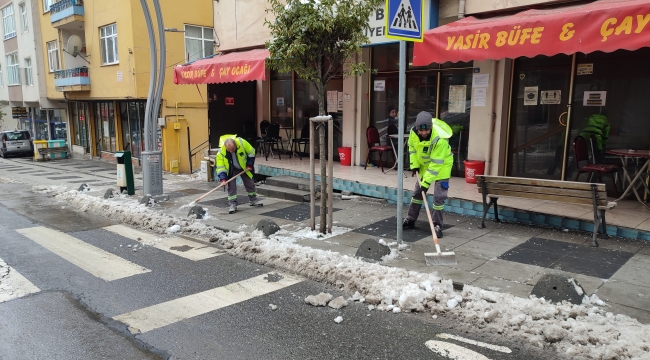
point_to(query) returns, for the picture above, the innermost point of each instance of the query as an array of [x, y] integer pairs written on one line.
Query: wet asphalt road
[[71, 316]]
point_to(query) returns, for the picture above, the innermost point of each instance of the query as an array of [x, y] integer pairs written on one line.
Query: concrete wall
[[240, 23]]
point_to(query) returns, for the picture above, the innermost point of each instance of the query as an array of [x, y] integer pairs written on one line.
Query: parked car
[[16, 143]]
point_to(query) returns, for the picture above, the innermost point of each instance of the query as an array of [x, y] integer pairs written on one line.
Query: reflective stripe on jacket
[[433, 157], [245, 157]]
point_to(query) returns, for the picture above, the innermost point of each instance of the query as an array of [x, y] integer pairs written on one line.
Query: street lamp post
[[152, 156]]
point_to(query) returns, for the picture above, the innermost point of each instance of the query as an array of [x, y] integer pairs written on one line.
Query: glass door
[[538, 116]]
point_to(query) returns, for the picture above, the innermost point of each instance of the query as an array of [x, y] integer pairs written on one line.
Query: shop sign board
[[530, 95], [551, 97], [380, 85], [230, 101], [594, 98], [18, 112]]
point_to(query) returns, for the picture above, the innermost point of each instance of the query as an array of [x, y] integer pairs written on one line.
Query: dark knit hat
[[423, 121]]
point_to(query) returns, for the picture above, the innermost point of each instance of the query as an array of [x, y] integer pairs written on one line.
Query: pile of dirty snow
[[578, 331]]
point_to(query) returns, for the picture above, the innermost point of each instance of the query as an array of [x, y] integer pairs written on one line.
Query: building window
[[105, 127], [80, 125], [47, 4], [8, 22], [199, 42], [53, 55], [23, 15], [58, 127], [108, 40], [13, 74], [29, 79], [132, 115]]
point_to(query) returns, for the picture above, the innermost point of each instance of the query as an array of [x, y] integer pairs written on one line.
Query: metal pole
[[148, 143], [567, 131], [330, 173], [161, 69], [400, 138], [312, 176]]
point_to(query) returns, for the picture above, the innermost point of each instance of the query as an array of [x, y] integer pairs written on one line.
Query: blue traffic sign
[[404, 19]]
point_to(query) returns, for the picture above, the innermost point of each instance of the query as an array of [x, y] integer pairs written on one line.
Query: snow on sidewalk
[[578, 331]]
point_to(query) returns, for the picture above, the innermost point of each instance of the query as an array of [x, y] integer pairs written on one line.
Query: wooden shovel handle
[[426, 205], [218, 187]]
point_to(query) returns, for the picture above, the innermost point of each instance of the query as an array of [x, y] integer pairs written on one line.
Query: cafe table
[[641, 172], [392, 144]]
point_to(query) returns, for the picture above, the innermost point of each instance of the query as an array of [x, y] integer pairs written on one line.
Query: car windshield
[[21, 135]]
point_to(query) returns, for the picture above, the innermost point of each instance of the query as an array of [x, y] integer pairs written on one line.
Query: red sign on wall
[[230, 101]]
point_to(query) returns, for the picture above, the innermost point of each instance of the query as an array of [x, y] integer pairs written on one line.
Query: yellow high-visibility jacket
[[432, 157]]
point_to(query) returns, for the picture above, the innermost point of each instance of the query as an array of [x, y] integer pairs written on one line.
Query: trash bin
[[125, 172], [39, 144], [57, 143], [345, 155], [473, 168]]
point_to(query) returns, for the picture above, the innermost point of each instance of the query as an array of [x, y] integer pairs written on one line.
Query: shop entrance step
[[289, 182], [283, 193]]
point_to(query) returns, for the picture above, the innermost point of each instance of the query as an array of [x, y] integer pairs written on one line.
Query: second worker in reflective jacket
[[430, 155]]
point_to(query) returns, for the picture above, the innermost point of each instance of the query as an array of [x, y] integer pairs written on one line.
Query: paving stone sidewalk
[[505, 257]]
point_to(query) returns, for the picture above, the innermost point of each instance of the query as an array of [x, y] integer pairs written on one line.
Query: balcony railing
[[65, 9], [76, 79], [64, 4]]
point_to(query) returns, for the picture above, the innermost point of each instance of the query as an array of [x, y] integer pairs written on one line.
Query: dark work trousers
[[249, 184], [439, 198]]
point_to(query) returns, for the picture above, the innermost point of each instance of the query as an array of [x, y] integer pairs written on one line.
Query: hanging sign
[[380, 85], [585, 69], [18, 112]]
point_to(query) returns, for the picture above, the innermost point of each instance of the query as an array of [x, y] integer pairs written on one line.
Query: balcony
[[67, 14], [76, 79]]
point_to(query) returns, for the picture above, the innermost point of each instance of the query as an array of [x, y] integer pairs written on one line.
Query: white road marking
[[170, 312], [502, 349], [12, 284], [453, 351], [188, 249], [92, 259]]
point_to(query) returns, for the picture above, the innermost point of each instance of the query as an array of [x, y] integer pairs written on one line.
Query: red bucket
[[473, 168], [345, 155]]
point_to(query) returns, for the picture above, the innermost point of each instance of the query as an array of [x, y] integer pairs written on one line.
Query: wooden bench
[[52, 150], [568, 192]]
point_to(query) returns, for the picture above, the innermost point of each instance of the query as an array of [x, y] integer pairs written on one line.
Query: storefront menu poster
[[380, 85], [530, 95], [585, 69], [480, 96], [332, 101], [594, 98], [340, 101], [457, 98]]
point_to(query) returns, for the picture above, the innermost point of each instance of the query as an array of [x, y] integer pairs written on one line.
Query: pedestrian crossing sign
[[404, 20]]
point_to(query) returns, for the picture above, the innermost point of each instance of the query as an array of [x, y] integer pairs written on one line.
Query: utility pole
[[152, 156]]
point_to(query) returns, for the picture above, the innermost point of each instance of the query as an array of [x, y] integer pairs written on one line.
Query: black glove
[[415, 170], [424, 188]]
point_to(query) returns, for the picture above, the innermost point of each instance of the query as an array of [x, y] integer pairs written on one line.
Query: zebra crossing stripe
[[170, 312], [453, 351], [192, 250], [12, 284], [502, 349], [92, 259]]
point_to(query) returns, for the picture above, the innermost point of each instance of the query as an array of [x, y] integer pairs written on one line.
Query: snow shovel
[[436, 258], [217, 188]]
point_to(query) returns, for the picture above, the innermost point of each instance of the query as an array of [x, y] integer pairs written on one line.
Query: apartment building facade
[[97, 60], [21, 75]]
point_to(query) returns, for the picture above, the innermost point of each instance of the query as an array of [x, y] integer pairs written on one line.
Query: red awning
[[233, 67], [604, 25]]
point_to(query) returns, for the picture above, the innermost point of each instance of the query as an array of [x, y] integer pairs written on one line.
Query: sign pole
[[400, 138]]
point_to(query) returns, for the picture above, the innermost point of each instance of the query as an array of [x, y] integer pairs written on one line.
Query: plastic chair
[[273, 139], [581, 154], [372, 136], [302, 140], [264, 125]]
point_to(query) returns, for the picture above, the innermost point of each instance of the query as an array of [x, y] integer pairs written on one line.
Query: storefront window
[[132, 115], [58, 126], [455, 106], [306, 103], [281, 99], [105, 127], [79, 119], [40, 124]]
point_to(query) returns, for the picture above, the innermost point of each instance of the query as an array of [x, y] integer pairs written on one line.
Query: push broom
[[438, 257]]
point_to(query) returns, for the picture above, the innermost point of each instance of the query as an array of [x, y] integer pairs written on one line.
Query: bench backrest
[[553, 190]]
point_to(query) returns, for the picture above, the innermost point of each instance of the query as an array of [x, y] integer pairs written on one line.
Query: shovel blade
[[435, 259]]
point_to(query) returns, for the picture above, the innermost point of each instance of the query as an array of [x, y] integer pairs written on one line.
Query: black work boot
[[410, 224], [438, 230]]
